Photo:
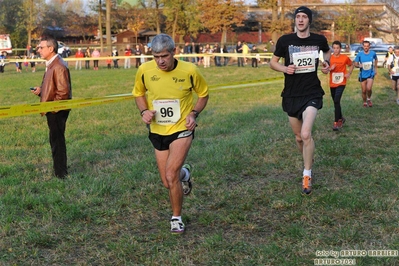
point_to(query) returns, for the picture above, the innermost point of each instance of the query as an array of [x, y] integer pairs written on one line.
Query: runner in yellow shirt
[[163, 92]]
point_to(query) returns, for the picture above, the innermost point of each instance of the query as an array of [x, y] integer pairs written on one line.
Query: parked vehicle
[[374, 41], [353, 49], [61, 46], [344, 48], [5, 43]]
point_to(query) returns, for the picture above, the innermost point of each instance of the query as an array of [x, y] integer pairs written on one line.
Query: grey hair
[[161, 42], [51, 42]]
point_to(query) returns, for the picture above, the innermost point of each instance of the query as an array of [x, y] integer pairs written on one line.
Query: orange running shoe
[[307, 185], [335, 126]]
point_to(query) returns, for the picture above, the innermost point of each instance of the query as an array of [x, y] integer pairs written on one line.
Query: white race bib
[[367, 65], [167, 111], [337, 78], [304, 61]]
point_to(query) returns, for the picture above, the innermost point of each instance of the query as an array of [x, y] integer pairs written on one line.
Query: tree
[[221, 15], [351, 20], [136, 21], [181, 17], [11, 12], [152, 10]]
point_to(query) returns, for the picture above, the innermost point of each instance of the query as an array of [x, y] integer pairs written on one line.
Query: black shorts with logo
[[162, 143], [295, 106]]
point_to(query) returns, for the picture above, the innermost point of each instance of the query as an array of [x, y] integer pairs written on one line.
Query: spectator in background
[[187, 50], [128, 52], [65, 54], [56, 86], [240, 59], [95, 54], [87, 55], [193, 51], [145, 52], [29, 50], [270, 47], [79, 54], [207, 57], [245, 52], [226, 58], [137, 53], [33, 63], [3, 57], [26, 63], [217, 50], [18, 64], [115, 54], [255, 58], [200, 56], [149, 54], [109, 62]]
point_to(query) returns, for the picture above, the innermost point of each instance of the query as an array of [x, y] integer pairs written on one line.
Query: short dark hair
[[51, 42], [337, 43], [366, 42]]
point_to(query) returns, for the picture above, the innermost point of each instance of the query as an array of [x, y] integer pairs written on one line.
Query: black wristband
[[196, 113], [327, 62], [142, 112]]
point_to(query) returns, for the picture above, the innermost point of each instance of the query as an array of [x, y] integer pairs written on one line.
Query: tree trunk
[[223, 37], [274, 7], [175, 25], [100, 27], [108, 26]]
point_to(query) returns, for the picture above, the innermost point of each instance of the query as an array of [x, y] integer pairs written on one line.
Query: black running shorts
[[162, 143], [295, 106]]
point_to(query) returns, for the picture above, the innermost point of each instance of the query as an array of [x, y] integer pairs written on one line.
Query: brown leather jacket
[[56, 84]]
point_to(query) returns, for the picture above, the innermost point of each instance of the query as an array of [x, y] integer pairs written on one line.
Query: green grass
[[246, 207]]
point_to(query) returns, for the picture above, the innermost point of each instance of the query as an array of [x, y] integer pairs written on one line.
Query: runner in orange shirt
[[338, 76]]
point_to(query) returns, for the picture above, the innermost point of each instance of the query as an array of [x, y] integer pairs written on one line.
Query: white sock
[[176, 217], [307, 172], [187, 174]]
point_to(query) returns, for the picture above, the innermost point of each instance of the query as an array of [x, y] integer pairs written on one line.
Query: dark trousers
[[336, 94], [254, 62], [138, 62], [240, 61], [56, 123], [87, 64]]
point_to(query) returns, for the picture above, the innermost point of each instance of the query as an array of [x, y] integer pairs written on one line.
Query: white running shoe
[[186, 181]]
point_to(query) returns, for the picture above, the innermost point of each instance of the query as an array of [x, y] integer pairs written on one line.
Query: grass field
[[246, 207]]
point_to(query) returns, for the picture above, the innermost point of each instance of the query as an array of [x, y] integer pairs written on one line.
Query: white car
[[61, 46]]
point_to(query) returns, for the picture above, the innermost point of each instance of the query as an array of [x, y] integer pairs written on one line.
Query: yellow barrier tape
[[44, 107], [72, 58], [27, 109]]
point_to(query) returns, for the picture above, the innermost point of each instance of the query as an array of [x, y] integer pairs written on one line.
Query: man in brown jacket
[[56, 86]]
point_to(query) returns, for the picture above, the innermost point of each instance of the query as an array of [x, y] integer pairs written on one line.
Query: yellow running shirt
[[170, 93]]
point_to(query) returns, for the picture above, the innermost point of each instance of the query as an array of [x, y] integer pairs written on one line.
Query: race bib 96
[[167, 111]]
